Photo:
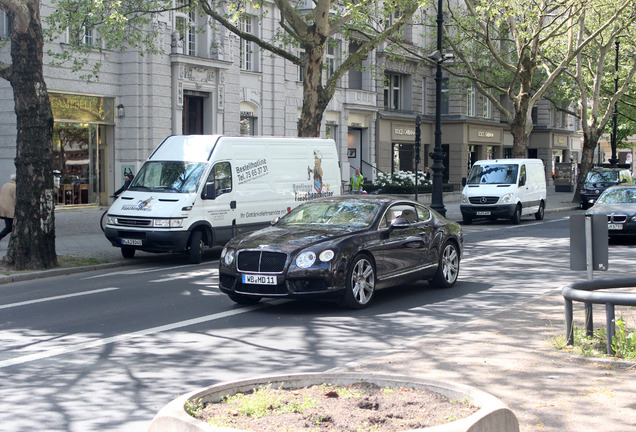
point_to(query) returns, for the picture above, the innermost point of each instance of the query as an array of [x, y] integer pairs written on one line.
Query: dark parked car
[[599, 179], [342, 249], [619, 204]]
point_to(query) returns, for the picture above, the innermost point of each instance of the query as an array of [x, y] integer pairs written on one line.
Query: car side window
[[221, 176], [423, 213]]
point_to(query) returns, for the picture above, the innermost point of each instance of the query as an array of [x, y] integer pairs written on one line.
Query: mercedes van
[[504, 188], [201, 190]]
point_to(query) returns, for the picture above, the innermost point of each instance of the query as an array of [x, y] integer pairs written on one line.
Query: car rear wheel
[[243, 299], [360, 283], [448, 268]]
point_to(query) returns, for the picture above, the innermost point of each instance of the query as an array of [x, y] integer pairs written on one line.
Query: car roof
[[370, 198]]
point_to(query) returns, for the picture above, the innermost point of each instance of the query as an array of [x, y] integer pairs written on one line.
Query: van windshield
[[169, 176], [493, 174]]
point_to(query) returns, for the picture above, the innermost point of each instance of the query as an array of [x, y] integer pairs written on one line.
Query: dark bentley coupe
[[342, 249]]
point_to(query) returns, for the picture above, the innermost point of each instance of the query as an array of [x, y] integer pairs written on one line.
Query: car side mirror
[[209, 191], [399, 223]]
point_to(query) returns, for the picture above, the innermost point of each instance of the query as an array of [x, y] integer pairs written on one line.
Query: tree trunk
[[519, 137], [314, 98], [32, 244], [587, 161]]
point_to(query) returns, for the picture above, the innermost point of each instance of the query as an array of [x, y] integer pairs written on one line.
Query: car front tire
[[448, 268], [360, 283], [127, 252]]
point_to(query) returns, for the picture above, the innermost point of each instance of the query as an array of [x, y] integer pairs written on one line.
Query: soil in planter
[[362, 406]]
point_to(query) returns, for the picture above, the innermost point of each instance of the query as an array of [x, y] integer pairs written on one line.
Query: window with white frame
[[424, 95], [331, 57], [470, 102], [185, 26], [445, 99], [248, 49], [5, 25], [392, 91], [486, 108]]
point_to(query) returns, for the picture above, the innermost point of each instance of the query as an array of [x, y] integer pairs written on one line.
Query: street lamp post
[[614, 160], [437, 198]]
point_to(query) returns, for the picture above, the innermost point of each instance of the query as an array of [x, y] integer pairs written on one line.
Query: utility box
[[599, 242], [564, 177]]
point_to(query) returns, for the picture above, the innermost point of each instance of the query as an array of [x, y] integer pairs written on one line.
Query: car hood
[[627, 209], [287, 239]]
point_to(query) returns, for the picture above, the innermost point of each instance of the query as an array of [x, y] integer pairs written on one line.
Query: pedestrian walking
[[7, 205], [356, 182]]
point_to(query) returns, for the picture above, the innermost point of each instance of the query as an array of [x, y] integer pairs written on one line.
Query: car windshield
[[493, 174], [353, 214], [601, 177], [618, 196], [169, 176]]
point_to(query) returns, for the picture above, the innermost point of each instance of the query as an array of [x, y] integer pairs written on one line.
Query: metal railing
[[586, 292]]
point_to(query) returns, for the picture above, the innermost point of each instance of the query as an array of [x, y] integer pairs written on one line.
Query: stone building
[[208, 81]]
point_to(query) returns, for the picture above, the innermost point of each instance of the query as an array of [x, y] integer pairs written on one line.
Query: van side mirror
[[209, 192], [463, 181]]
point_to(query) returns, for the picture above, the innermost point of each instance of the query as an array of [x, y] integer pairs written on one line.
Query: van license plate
[[483, 213], [259, 279], [131, 242], [614, 226]]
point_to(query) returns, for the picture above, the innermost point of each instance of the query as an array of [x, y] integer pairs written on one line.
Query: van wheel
[[516, 217], [196, 247], [127, 252], [539, 214]]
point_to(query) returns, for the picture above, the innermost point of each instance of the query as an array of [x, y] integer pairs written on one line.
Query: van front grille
[[484, 200]]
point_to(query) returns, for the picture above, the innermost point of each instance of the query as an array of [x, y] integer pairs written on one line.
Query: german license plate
[[131, 242], [483, 213], [614, 226], [259, 279]]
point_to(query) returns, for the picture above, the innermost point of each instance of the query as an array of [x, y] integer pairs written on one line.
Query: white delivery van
[[201, 190], [504, 188]]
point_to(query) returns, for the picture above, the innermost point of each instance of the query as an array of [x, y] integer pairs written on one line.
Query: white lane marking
[[42, 300], [126, 336], [136, 271]]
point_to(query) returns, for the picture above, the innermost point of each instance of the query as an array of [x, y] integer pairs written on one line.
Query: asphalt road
[[105, 350]]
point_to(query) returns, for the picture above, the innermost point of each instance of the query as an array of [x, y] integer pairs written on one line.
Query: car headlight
[[506, 198], [305, 259], [227, 255], [464, 199], [326, 255], [633, 219], [167, 223]]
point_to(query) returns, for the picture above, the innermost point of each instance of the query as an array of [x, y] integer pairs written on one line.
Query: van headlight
[[463, 199], [507, 198], [167, 223]]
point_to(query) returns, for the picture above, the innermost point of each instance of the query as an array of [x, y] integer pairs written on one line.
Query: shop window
[[403, 157], [248, 51]]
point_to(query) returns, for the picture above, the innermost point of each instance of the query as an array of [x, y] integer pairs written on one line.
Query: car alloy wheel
[[448, 269], [360, 283]]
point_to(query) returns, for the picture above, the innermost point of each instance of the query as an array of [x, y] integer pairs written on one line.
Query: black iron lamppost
[[614, 160], [418, 146], [437, 198]]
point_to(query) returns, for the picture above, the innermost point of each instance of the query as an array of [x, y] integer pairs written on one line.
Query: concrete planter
[[492, 416]]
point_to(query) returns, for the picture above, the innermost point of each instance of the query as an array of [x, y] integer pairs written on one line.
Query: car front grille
[[261, 261], [262, 289], [484, 200], [617, 218]]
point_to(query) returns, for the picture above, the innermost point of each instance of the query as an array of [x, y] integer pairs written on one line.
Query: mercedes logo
[[483, 200]]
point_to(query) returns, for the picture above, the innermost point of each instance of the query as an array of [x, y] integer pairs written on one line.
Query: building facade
[[209, 81]]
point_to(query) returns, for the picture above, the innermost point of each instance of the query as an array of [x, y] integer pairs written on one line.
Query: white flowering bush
[[401, 179]]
